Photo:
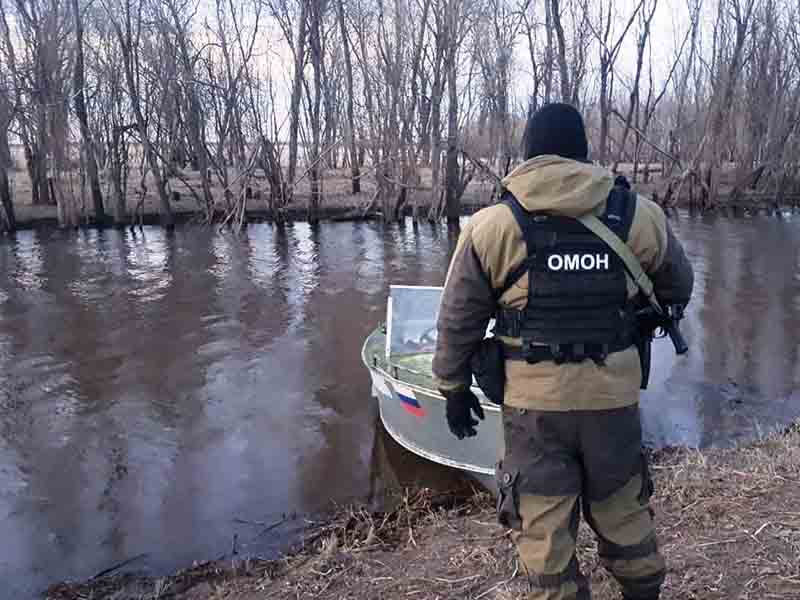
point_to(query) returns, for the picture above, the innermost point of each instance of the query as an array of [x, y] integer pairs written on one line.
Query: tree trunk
[[83, 119], [117, 169], [724, 102], [37, 171], [548, 55], [369, 106], [316, 53], [566, 94], [604, 111], [9, 220], [195, 125], [196, 129], [6, 204], [424, 122], [351, 121], [451, 170], [272, 170], [297, 90], [436, 137], [505, 130], [167, 218]]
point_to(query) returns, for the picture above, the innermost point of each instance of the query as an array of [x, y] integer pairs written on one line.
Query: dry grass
[[728, 521]]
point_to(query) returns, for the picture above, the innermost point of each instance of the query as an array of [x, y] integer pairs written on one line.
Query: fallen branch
[[407, 186], [314, 164], [370, 204], [496, 586], [479, 164], [644, 138], [271, 527], [118, 566]]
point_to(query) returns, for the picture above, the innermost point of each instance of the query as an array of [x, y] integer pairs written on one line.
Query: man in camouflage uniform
[[571, 417]]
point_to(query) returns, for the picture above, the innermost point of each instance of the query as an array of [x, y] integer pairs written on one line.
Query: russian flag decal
[[409, 400]]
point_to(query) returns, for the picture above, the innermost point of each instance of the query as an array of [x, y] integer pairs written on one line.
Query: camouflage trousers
[[558, 464]]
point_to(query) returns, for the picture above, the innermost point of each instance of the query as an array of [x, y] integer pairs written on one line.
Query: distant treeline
[[283, 90]]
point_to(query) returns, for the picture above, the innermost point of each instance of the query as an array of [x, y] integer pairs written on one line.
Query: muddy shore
[[728, 523]]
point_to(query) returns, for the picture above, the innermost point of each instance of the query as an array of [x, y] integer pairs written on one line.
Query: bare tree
[[8, 220], [181, 14], [459, 23], [609, 52], [646, 19], [227, 71], [127, 22], [108, 110], [299, 49], [9, 101], [392, 88], [351, 121], [729, 64], [83, 118], [495, 40], [542, 65], [316, 51], [39, 59], [555, 18]]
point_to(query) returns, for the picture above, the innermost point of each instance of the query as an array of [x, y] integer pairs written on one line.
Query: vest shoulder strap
[[621, 249], [522, 217]]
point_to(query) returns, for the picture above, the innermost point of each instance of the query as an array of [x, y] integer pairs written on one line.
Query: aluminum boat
[[399, 355]]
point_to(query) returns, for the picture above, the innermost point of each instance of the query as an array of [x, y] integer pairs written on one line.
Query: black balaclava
[[556, 129]]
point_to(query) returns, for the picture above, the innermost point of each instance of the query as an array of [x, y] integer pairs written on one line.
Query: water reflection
[[146, 262], [369, 262], [28, 273], [154, 387], [738, 380], [263, 261]]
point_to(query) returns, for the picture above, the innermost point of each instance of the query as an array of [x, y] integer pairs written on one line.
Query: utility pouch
[[643, 345], [507, 498], [647, 489], [489, 368]]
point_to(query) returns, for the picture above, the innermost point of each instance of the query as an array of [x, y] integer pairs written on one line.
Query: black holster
[[489, 368], [643, 345]]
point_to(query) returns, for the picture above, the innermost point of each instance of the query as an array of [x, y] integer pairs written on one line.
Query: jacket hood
[[563, 186]]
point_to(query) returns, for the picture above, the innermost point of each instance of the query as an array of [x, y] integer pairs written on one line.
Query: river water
[[161, 393]]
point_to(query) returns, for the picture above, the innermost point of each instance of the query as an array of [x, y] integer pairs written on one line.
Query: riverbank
[[338, 204], [340, 208], [728, 524], [45, 218]]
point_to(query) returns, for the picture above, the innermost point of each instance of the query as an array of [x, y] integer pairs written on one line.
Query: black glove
[[459, 419]]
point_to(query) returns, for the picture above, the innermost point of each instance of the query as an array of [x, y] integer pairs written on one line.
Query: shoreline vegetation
[[107, 106], [339, 205], [728, 523]]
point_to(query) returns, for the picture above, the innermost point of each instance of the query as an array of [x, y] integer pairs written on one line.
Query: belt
[[561, 353]]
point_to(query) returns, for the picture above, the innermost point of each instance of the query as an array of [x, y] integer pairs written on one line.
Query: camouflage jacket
[[491, 246]]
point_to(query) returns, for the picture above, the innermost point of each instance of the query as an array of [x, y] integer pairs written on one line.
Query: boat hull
[[413, 413]]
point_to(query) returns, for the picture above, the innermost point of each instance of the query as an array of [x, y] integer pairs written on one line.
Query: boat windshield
[[411, 326], [411, 317]]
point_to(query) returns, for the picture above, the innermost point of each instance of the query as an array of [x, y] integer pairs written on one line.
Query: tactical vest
[[578, 303]]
